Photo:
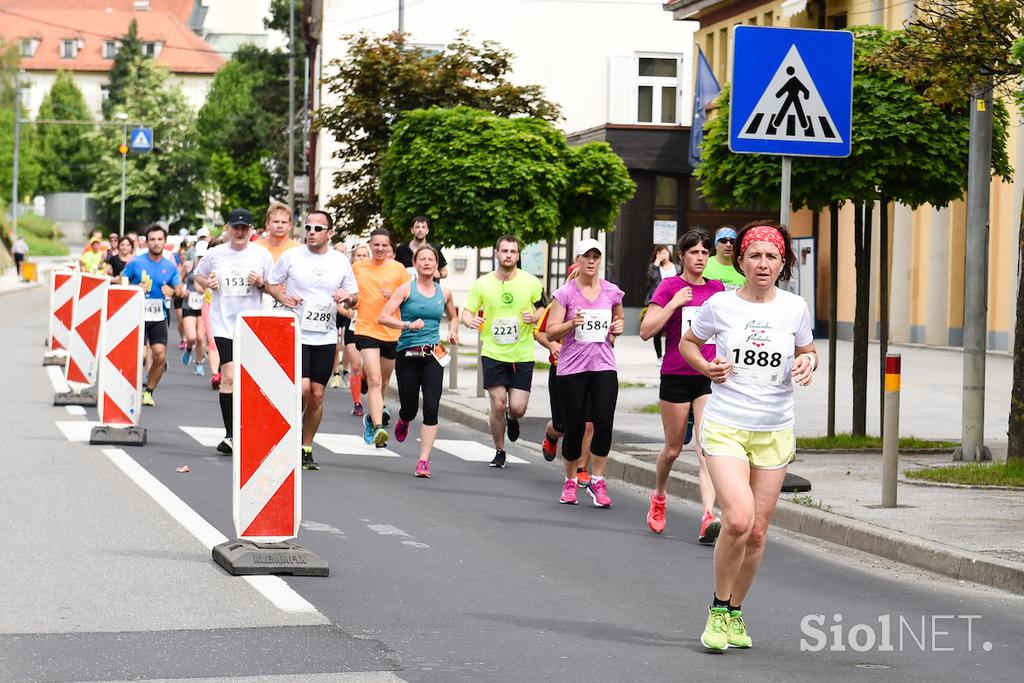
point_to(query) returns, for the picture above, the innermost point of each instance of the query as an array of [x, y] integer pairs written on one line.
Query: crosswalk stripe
[[349, 444], [473, 451], [206, 436], [77, 430]]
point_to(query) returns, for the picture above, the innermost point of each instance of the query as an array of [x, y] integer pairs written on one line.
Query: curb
[[952, 485], [892, 545]]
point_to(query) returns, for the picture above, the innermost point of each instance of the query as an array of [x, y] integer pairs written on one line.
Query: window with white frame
[[151, 49], [69, 48], [25, 97], [658, 89], [28, 47], [104, 94], [110, 49]]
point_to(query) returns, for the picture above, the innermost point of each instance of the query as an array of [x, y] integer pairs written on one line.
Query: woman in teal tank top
[[416, 308]]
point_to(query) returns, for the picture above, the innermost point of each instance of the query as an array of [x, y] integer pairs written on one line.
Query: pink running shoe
[[568, 493], [357, 410], [401, 430], [599, 492], [656, 515], [709, 528], [422, 467]]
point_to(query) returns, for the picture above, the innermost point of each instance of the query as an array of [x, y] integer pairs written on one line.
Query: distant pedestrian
[[662, 267], [20, 249], [763, 345]]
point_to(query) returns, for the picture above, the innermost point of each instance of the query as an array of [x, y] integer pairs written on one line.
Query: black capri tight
[[414, 373], [597, 391]]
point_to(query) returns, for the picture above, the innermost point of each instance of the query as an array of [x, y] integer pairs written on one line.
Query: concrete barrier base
[[246, 558], [117, 436], [75, 398]]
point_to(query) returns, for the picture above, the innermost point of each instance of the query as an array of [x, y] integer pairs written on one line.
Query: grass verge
[[975, 473], [652, 408], [850, 442], [809, 502]]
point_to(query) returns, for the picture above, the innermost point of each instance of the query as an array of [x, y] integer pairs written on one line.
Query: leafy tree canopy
[[67, 152], [124, 71], [905, 146], [382, 77], [478, 176], [29, 169]]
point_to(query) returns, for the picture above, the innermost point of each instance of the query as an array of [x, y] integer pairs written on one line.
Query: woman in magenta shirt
[[586, 316], [673, 306]]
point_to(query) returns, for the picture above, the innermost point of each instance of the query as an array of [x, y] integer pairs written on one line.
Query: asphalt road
[[476, 574]]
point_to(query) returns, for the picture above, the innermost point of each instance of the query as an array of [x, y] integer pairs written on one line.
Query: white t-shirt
[[234, 295], [759, 340], [315, 278]]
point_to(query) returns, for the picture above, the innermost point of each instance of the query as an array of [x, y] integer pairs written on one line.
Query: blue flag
[[704, 94]]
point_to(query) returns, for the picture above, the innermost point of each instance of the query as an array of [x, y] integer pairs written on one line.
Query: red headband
[[764, 233]]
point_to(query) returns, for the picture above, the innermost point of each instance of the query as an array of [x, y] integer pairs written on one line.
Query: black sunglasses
[[316, 228], [727, 240]]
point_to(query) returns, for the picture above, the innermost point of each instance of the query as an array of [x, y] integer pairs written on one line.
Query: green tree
[[949, 46], [67, 152], [382, 77], [478, 176], [243, 127], [905, 147], [167, 183], [124, 71], [29, 169]]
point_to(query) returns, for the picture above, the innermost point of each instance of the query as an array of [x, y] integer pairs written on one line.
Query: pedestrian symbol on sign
[[141, 139], [790, 108]]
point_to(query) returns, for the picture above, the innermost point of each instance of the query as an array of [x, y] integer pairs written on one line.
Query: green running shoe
[[380, 437], [716, 636], [738, 630]]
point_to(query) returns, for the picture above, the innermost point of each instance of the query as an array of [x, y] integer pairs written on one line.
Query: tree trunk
[[862, 256], [833, 304], [1015, 446], [883, 307]]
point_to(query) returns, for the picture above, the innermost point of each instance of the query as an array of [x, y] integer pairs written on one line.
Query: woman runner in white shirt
[[764, 345]]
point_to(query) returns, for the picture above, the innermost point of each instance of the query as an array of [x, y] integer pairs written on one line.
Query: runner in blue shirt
[[159, 278]]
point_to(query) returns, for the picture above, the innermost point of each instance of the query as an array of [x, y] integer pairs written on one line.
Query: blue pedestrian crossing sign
[[141, 139], [792, 92]]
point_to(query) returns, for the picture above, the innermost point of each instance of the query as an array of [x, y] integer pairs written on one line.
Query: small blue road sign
[[141, 139], [792, 92]]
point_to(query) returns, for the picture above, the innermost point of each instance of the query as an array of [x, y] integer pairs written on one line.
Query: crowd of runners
[[735, 345]]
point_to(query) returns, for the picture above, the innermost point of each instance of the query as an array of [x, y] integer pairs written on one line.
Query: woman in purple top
[[586, 316], [672, 307]]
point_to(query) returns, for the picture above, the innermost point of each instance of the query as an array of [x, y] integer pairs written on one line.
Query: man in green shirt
[[503, 306], [719, 266]]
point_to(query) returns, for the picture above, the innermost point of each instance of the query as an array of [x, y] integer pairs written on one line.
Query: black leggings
[[414, 373], [597, 390]]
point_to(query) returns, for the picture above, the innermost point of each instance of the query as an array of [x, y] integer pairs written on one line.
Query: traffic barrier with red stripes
[[83, 353], [63, 290], [119, 389], [267, 484]]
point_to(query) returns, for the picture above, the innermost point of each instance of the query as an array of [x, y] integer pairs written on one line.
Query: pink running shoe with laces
[[401, 430], [568, 493], [599, 492], [656, 515], [422, 466]]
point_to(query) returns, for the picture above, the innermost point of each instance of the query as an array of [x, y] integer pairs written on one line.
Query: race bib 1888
[[760, 355]]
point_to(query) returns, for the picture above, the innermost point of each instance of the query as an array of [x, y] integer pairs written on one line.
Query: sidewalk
[[971, 534], [10, 282]]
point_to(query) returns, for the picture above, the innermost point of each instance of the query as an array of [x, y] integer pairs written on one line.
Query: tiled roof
[[179, 8], [182, 51]]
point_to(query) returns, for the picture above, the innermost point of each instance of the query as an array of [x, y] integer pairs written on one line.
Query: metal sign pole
[[787, 171]]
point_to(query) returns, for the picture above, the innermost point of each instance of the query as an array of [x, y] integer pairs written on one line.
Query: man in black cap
[[236, 273]]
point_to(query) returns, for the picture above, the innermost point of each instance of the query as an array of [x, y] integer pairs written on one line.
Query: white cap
[[182, 232], [583, 246], [203, 232], [201, 248]]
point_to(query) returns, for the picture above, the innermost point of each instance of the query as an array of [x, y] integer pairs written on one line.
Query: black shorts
[[498, 373], [350, 336], [225, 347], [388, 349], [318, 362], [156, 332], [178, 301], [187, 312], [683, 388]]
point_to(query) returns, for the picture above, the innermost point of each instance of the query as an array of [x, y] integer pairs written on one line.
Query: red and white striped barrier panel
[[83, 351], [63, 290], [267, 491], [119, 390]]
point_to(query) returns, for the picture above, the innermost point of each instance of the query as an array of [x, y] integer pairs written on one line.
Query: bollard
[[119, 388], [891, 438], [453, 369], [63, 290], [83, 351]]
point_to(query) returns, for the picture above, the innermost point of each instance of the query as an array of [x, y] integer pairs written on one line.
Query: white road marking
[[206, 436], [272, 587], [349, 444], [415, 544], [387, 530], [56, 375], [75, 410], [320, 526], [79, 430], [473, 451]]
